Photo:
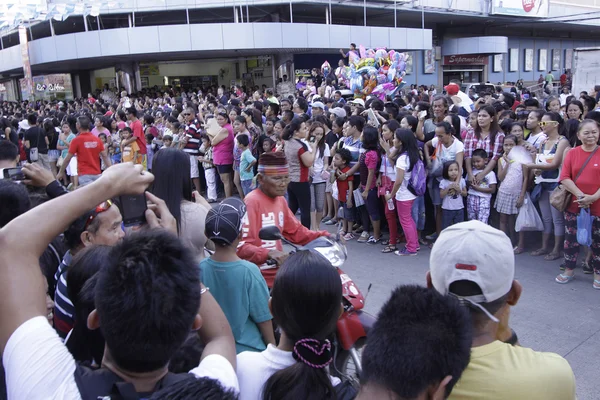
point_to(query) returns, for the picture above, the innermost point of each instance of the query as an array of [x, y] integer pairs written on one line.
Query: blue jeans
[[246, 186], [418, 212], [451, 217]]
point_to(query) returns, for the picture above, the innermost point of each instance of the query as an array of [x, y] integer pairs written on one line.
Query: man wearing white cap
[[475, 263], [317, 108]]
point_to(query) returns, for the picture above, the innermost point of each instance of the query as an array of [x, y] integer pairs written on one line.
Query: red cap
[[452, 89]]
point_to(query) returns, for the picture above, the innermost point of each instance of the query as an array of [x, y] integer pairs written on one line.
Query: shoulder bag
[[386, 183], [33, 151], [560, 198]]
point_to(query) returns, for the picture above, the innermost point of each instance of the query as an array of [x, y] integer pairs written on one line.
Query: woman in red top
[[300, 158], [586, 193]]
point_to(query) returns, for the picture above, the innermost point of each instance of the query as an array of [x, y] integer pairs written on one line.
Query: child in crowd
[[102, 136], [341, 161], [151, 149], [268, 145], [129, 152], [451, 190], [236, 284], [167, 141], [210, 172], [247, 161], [480, 196], [511, 193]]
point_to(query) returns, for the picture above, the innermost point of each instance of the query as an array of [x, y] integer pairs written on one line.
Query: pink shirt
[[223, 151]]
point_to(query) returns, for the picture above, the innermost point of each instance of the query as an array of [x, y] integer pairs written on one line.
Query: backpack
[[103, 384], [418, 179]]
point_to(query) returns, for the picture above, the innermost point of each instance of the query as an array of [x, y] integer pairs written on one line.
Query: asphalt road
[[549, 317]]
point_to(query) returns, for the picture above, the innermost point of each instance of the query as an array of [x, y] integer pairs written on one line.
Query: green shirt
[[549, 78], [242, 293]]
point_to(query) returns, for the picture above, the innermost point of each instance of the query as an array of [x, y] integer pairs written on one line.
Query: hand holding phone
[[422, 114], [133, 209], [13, 174]]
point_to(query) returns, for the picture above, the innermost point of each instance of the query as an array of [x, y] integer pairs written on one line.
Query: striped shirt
[[63, 307], [355, 148], [193, 133]]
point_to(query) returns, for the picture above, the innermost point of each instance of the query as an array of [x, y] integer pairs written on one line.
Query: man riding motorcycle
[[266, 206]]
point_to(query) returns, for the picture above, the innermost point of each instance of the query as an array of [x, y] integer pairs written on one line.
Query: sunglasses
[[544, 123], [100, 208]]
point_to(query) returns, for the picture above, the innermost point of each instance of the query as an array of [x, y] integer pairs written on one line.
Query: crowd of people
[[194, 304]]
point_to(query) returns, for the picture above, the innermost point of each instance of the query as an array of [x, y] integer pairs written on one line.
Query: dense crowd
[[135, 309]]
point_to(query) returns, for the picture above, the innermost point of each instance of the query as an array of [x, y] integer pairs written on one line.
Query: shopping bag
[[584, 227], [528, 218]]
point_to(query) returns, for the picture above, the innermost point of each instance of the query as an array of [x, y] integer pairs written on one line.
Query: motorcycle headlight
[[335, 252]]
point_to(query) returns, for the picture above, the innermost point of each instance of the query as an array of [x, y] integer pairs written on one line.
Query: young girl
[[102, 136], [319, 175], [386, 180], [305, 303], [210, 173], [511, 192], [368, 167], [451, 191]]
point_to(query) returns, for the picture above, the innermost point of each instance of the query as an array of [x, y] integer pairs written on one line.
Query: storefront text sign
[[51, 87], [468, 59]]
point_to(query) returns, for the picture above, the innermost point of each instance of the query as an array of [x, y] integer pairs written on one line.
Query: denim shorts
[[348, 212], [372, 204]]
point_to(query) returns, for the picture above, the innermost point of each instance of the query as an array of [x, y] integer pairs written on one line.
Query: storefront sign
[[50, 87], [302, 72], [521, 8], [467, 59]]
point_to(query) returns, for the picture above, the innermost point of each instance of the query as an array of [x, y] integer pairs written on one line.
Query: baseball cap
[[490, 263], [318, 104], [360, 102], [338, 112], [224, 222], [452, 89]]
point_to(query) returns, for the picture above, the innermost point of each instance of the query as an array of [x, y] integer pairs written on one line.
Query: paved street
[[549, 317]]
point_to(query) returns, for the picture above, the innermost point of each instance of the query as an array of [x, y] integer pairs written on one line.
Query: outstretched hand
[[158, 214], [126, 178], [37, 175]]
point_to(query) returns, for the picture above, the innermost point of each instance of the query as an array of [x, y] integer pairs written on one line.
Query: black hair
[[339, 121], [494, 128], [530, 102], [595, 115], [455, 126], [321, 145], [449, 129], [392, 125], [147, 297], [291, 128], [412, 122], [509, 99], [578, 104], [32, 119], [506, 124], [469, 288], [357, 121], [420, 337], [133, 111], [14, 199], [243, 140], [241, 120], [550, 100], [197, 388], [148, 119], [302, 104], [588, 102], [344, 155], [480, 153], [188, 355], [447, 165], [539, 113], [370, 138], [305, 301], [84, 123], [8, 151], [288, 114], [507, 114], [509, 137], [172, 181], [85, 344], [324, 120], [127, 129], [557, 118], [409, 146]]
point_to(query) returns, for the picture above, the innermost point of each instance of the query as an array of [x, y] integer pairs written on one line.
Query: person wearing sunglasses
[[100, 226]]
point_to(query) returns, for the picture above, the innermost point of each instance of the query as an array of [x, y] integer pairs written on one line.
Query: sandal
[[596, 284], [385, 242], [349, 236], [539, 252], [562, 278], [389, 249], [373, 240], [364, 238], [552, 256], [518, 250]]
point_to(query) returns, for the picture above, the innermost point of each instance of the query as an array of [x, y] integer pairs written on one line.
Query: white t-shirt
[[448, 153], [537, 140], [318, 164], [490, 179], [39, 366], [454, 202], [387, 168], [403, 194], [254, 369]]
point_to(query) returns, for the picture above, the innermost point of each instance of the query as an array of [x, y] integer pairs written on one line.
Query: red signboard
[[467, 59]]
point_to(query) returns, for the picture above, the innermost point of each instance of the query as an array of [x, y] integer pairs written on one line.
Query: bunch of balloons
[[372, 72]]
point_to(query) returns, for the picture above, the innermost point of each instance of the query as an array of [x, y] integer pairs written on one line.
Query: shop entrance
[[465, 75], [192, 82]]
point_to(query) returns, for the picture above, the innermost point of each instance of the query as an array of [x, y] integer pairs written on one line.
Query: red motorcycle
[[354, 324]]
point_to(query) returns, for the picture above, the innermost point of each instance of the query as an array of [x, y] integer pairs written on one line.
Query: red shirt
[[589, 180], [343, 186], [262, 211], [87, 147], [138, 133]]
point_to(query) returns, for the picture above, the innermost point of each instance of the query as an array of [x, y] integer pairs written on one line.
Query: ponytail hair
[[292, 127], [306, 299]]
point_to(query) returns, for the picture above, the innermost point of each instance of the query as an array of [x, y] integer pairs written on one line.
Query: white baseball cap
[[318, 104], [360, 102], [338, 112], [476, 252]]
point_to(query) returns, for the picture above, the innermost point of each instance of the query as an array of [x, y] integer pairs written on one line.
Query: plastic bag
[[528, 218], [584, 227]]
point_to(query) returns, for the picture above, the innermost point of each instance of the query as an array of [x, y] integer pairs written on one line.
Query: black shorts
[[225, 168]]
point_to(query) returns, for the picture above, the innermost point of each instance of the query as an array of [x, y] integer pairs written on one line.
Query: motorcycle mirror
[[270, 233]]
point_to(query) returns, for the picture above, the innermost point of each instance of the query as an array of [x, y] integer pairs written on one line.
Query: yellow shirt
[[499, 371]]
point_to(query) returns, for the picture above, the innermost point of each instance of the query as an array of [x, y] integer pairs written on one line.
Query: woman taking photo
[[240, 128], [406, 146], [386, 180], [173, 184], [306, 304], [319, 175], [222, 145], [580, 178], [547, 167], [488, 136], [300, 158]]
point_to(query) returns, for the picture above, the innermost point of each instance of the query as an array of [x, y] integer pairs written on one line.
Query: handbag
[[436, 167], [33, 151], [386, 184], [560, 198], [584, 227]]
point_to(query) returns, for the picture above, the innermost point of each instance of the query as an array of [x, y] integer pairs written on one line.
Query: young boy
[[102, 136], [236, 284], [167, 141], [151, 149], [480, 196], [341, 162], [209, 168], [247, 162], [129, 152]]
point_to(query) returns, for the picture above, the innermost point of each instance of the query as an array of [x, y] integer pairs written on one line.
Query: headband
[[272, 170]]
